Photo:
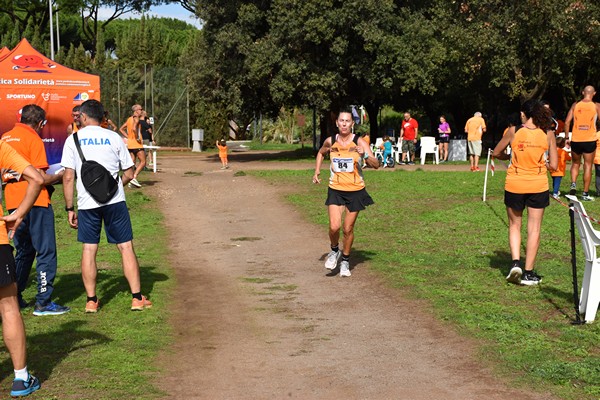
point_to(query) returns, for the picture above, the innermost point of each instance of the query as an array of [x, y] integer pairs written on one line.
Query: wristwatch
[[366, 156], [72, 208]]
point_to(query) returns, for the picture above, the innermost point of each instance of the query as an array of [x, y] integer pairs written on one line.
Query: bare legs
[[335, 225], [141, 155], [443, 151], [588, 161], [534, 226], [13, 330]]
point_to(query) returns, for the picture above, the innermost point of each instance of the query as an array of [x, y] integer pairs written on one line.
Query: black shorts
[[354, 201], [135, 151], [444, 139], [583, 147], [8, 273], [518, 201]]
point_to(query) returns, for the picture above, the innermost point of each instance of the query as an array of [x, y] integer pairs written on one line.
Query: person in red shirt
[[35, 238], [408, 133]]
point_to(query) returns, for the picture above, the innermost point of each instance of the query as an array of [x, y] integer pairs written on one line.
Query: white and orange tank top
[[345, 171], [527, 170], [584, 122]]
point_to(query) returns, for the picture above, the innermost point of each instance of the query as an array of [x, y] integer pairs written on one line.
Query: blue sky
[[174, 10]]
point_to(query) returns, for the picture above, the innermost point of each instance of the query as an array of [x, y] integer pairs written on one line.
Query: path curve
[[256, 315]]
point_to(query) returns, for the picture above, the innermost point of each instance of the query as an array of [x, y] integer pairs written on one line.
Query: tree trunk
[[373, 111]]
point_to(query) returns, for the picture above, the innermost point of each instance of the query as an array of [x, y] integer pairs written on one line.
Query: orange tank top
[[527, 170], [584, 122], [345, 171]]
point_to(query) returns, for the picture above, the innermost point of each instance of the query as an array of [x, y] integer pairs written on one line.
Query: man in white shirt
[[107, 148]]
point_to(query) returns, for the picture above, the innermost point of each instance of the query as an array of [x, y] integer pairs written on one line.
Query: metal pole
[[57, 34], [145, 91], [51, 30], [315, 128], [188, 114], [152, 88], [260, 127], [119, 92], [578, 320]]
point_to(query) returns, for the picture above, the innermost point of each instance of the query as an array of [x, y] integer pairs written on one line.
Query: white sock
[[21, 374]]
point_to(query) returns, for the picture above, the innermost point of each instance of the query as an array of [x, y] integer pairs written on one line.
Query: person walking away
[[409, 132], [131, 131], [526, 185], [13, 329], [107, 148], [444, 133], [346, 194], [35, 239], [475, 128], [563, 157], [584, 115], [222, 146]]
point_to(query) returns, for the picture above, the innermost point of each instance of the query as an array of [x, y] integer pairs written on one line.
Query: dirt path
[[258, 317]]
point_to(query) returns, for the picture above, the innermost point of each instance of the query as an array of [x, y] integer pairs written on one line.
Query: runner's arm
[[123, 129], [568, 123], [499, 150], [320, 157], [68, 192], [364, 149], [35, 182], [552, 153]]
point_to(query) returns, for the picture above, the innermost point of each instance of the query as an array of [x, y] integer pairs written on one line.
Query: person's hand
[[316, 179], [12, 222], [73, 222], [360, 150]]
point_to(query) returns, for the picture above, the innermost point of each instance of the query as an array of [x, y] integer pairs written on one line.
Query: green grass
[[430, 234], [110, 354]]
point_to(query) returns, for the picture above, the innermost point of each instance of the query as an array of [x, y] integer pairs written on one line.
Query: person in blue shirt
[[387, 149]]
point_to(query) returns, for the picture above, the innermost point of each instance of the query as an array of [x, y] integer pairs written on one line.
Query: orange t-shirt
[[563, 157], [11, 161], [584, 122], [30, 146], [222, 150], [132, 135], [345, 170], [474, 128], [527, 170], [597, 156]]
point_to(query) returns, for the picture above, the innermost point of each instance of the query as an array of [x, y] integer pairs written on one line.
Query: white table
[[153, 149]]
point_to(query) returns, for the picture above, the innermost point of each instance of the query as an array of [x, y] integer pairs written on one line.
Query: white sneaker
[[332, 259], [514, 276], [135, 183], [345, 268]]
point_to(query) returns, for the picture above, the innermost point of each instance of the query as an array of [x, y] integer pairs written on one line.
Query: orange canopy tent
[[28, 77]]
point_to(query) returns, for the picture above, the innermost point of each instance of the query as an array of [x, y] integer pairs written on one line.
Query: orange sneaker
[[139, 305], [92, 306]]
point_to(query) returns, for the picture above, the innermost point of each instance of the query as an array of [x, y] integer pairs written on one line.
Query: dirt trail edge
[[256, 315]]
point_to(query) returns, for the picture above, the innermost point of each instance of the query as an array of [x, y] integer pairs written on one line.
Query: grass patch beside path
[[430, 233], [110, 354]]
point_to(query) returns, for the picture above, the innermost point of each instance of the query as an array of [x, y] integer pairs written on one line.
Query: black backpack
[[96, 179]]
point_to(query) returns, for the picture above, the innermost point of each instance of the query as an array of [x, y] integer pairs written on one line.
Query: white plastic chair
[[397, 151], [590, 239], [428, 146], [377, 147]]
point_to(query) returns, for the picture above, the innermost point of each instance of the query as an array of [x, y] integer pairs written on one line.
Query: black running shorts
[[354, 201], [8, 273], [583, 147], [518, 201]]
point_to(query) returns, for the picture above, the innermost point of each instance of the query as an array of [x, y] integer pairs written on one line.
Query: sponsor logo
[[81, 97], [20, 96], [46, 96]]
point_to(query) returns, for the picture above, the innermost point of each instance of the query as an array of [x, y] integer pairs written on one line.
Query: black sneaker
[[530, 278], [24, 388], [573, 190], [514, 276]]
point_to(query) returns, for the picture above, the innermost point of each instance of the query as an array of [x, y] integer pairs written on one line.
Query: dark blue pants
[[35, 239], [556, 184]]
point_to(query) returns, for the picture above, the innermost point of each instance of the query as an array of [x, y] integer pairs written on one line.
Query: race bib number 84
[[343, 164]]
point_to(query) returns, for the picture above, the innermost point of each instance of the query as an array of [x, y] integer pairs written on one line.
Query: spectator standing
[[346, 193], [584, 115], [222, 146], [409, 132], [563, 157], [526, 185], [13, 329], [35, 239], [475, 128], [131, 130], [106, 148], [147, 136], [107, 123], [444, 132], [76, 124]]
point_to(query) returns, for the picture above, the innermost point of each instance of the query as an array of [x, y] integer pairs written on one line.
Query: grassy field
[[430, 234], [107, 355]]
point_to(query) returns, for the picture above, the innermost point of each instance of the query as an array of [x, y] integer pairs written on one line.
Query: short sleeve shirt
[[103, 146], [474, 128], [12, 163], [410, 128], [30, 146]]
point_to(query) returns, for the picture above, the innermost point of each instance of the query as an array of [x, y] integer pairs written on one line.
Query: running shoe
[[530, 278], [476, 169], [332, 259], [135, 183], [573, 190], [139, 305], [50, 309], [514, 276], [22, 388], [411, 163], [345, 269], [586, 197], [92, 306], [555, 196]]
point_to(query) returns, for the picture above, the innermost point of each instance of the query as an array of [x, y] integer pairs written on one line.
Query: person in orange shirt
[[527, 185], [222, 146], [346, 193], [475, 128], [131, 131], [76, 124], [563, 157], [13, 330], [584, 115], [35, 238]]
